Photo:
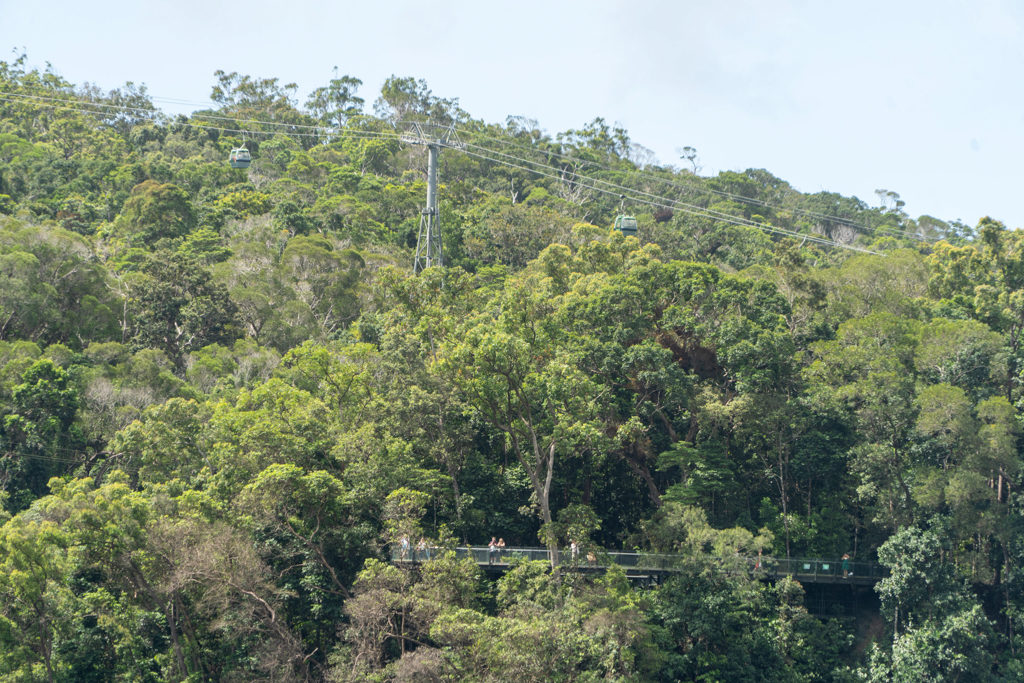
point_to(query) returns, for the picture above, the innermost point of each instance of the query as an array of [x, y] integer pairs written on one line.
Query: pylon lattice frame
[[429, 247]]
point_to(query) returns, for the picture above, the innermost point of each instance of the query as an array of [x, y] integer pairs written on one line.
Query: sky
[[920, 97]]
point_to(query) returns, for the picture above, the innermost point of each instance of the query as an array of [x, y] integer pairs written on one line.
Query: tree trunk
[[644, 473], [190, 633], [542, 491], [179, 656], [546, 504]]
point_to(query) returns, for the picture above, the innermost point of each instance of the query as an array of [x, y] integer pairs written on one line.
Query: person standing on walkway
[[501, 548], [492, 550], [846, 565]]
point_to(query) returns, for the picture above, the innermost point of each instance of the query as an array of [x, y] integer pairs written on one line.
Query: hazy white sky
[[925, 98]]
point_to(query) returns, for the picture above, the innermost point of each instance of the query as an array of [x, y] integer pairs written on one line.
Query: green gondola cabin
[[240, 158], [626, 225]]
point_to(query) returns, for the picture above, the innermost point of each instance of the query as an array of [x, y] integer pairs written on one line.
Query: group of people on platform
[[574, 552], [421, 552], [494, 550]]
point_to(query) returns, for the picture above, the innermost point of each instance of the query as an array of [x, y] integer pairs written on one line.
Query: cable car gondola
[[626, 225], [623, 223], [240, 158]]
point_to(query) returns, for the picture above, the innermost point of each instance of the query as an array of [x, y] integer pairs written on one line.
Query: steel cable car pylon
[[429, 248]]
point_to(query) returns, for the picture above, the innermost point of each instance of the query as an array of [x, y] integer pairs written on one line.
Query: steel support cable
[[659, 201], [43, 99], [614, 186], [319, 131], [103, 109], [48, 458], [340, 132], [618, 190], [697, 211], [95, 108], [85, 102], [694, 188], [741, 198]]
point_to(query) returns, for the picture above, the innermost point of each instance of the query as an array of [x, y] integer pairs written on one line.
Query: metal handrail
[[813, 569]]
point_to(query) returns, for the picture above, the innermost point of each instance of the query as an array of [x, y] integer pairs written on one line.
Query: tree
[[176, 307], [272, 423], [939, 629], [156, 211], [324, 279], [714, 627], [34, 567], [869, 368], [26, 304], [920, 586], [52, 288], [377, 617], [129, 106], [600, 139], [167, 442], [690, 154], [408, 99], [214, 580], [39, 437], [958, 648], [520, 374], [334, 104], [307, 535], [243, 96], [770, 426]]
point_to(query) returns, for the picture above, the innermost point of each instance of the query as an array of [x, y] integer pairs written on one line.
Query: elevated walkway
[[654, 566]]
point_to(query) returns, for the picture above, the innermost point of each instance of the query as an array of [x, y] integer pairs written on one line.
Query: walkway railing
[[803, 569]]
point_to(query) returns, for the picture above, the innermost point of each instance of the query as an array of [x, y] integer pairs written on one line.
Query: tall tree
[[334, 104]]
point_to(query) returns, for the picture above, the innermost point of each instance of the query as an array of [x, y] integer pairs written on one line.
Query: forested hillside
[[225, 396]]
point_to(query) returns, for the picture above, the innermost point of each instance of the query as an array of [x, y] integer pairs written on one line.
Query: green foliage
[[39, 432], [939, 628], [919, 584], [335, 103], [404, 99], [222, 395], [175, 307], [718, 626], [956, 649], [156, 211]]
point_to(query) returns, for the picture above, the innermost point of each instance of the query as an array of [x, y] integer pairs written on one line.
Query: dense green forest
[[225, 395]]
